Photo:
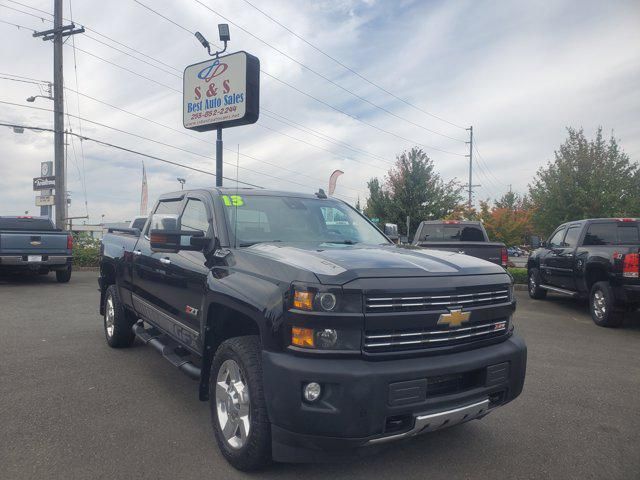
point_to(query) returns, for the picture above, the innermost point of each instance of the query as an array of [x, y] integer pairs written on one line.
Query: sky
[[519, 72]]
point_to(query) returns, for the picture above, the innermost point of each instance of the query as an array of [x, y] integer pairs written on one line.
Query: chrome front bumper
[[438, 420], [18, 260]]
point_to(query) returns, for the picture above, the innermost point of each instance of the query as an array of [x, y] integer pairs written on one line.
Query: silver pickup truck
[[33, 244]]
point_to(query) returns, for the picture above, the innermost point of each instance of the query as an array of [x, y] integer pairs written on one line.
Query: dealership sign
[[45, 200], [221, 92], [44, 183]]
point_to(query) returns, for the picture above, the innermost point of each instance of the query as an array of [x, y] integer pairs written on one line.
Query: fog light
[[312, 391], [326, 338]]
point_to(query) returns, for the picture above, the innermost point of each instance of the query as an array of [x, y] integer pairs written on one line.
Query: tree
[[510, 226], [512, 201], [587, 179], [413, 189]]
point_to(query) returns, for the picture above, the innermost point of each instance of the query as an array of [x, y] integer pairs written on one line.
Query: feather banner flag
[[144, 195], [332, 181]]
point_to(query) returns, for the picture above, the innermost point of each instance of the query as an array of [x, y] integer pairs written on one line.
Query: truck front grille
[[408, 303], [399, 340]]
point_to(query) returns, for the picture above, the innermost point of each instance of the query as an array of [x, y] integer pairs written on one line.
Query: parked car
[[597, 259], [33, 244], [516, 252], [466, 237], [310, 333]]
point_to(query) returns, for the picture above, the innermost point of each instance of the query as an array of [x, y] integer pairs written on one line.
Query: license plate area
[[34, 258]]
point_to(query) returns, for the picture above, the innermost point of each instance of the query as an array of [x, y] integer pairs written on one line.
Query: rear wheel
[[534, 285], [117, 321], [63, 276], [238, 407], [602, 306]]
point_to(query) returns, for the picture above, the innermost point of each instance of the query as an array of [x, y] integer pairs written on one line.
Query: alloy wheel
[[233, 404]]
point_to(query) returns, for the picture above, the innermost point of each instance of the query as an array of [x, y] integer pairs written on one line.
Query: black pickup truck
[[466, 236], [310, 332], [596, 258]]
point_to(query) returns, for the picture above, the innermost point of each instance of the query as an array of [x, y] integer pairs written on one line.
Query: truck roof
[[589, 220]]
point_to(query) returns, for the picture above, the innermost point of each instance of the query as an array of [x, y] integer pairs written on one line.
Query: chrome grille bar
[[401, 338], [466, 299]]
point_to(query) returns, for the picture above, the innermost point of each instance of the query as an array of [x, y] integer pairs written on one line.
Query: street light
[[223, 33], [182, 182], [48, 95]]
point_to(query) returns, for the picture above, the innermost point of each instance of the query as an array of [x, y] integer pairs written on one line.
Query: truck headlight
[[325, 338], [324, 298]]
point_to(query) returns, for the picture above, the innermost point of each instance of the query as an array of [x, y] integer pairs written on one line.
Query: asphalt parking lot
[[72, 408]]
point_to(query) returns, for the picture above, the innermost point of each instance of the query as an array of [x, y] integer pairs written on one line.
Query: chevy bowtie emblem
[[454, 318], [35, 243]]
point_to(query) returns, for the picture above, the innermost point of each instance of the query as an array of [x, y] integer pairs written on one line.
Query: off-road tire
[[122, 335], [602, 306], [63, 276], [533, 285], [256, 451]]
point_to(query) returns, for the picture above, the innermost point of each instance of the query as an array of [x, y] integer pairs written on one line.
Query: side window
[[601, 234], [168, 208], [556, 240], [195, 216], [571, 239]]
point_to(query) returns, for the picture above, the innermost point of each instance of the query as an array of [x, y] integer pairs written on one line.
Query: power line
[[129, 150], [318, 49], [178, 91], [170, 146], [414, 142], [322, 76]]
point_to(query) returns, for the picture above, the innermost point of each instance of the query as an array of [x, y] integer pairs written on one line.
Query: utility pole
[[471, 185], [56, 34]]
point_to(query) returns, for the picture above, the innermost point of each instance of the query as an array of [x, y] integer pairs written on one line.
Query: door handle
[[137, 252], [165, 261]]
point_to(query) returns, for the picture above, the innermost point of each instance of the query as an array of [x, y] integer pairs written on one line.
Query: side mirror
[[172, 241], [535, 242], [391, 230]]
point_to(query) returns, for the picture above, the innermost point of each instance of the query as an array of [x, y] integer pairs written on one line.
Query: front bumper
[[366, 404], [22, 261]]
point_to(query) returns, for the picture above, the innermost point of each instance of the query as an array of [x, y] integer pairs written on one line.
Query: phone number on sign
[[214, 112]]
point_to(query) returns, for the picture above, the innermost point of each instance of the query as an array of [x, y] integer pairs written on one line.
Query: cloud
[[520, 73]]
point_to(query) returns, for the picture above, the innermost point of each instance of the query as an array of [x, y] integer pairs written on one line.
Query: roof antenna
[[235, 226], [320, 193]]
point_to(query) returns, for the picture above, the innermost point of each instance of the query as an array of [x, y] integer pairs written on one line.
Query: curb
[[86, 269]]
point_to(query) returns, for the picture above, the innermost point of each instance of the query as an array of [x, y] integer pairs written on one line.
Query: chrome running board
[[559, 290]]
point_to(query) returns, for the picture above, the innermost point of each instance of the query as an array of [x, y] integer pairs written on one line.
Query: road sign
[[44, 183], [46, 168], [221, 92], [45, 200]]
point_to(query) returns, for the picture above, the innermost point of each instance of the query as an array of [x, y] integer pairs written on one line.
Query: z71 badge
[[191, 311]]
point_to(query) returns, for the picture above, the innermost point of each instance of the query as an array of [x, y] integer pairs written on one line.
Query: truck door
[[188, 273], [549, 258], [151, 284], [565, 257]]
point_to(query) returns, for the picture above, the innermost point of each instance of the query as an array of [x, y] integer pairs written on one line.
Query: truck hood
[[339, 264]]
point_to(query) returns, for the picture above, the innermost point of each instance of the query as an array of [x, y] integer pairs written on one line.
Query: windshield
[[256, 218]]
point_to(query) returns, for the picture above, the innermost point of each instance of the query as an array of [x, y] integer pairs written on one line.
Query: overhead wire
[[359, 75]]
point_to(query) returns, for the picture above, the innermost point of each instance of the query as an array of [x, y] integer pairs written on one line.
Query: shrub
[[86, 251], [519, 275]]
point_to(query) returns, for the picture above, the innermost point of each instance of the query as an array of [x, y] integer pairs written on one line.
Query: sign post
[[219, 93]]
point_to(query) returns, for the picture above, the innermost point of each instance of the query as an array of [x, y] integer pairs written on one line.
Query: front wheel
[[118, 322], [534, 285], [602, 306], [238, 408]]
